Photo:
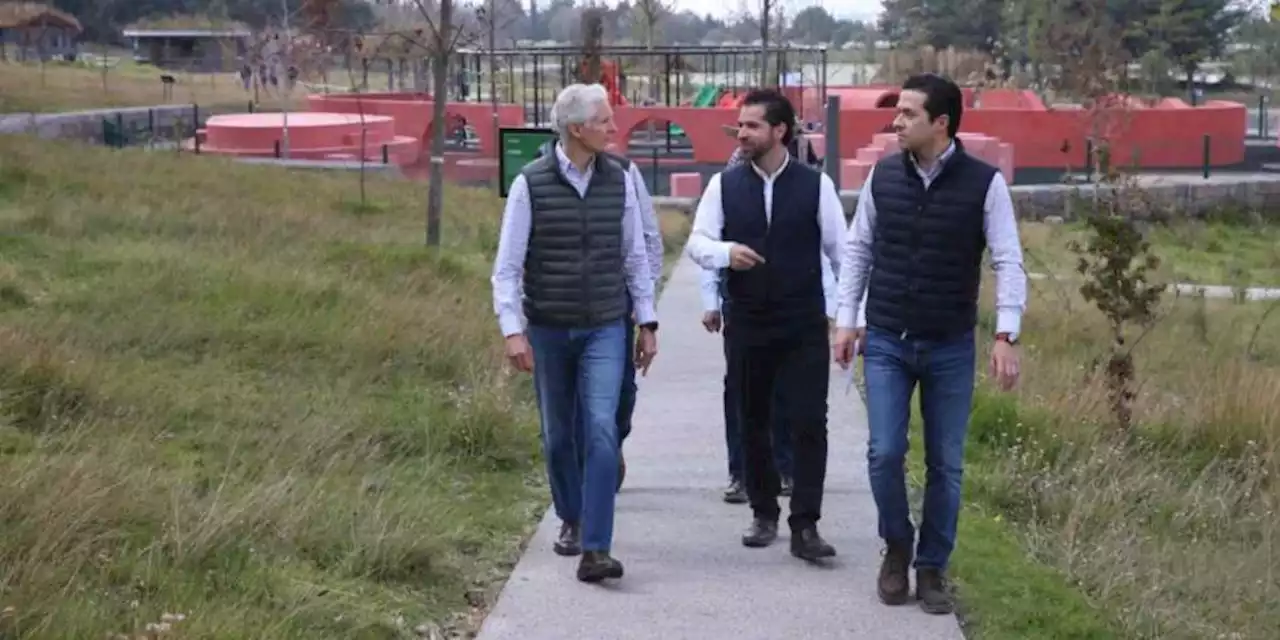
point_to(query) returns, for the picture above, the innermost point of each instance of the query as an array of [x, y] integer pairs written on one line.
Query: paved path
[[687, 575]]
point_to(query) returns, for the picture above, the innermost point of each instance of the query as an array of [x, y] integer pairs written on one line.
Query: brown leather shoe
[[893, 584], [569, 542], [933, 592]]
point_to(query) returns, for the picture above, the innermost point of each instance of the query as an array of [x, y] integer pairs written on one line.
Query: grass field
[[1211, 253], [61, 86], [1073, 530], [235, 394]]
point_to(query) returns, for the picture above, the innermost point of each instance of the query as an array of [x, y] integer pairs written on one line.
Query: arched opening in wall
[[656, 138], [459, 135], [887, 101]]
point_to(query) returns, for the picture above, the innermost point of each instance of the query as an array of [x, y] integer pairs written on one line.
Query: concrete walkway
[[687, 574]]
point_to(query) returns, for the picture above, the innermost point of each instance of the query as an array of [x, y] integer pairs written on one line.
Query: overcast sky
[[864, 9]]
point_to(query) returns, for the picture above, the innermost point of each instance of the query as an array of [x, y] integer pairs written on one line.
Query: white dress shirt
[[1001, 229], [649, 220], [710, 286], [710, 252], [513, 246]]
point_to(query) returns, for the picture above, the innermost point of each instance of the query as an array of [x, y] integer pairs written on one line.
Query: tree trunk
[[493, 72], [767, 8], [439, 96]]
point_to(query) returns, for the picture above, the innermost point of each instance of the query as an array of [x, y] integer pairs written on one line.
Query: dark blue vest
[[928, 246], [786, 291]]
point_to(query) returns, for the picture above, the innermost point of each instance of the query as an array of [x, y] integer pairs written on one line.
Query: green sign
[[517, 146]]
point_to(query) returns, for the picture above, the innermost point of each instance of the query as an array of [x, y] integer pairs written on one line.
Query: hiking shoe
[[933, 592], [893, 585]]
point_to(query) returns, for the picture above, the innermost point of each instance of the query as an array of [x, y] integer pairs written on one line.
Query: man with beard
[[924, 219], [768, 222]]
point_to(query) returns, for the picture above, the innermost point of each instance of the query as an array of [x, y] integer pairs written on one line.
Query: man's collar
[[939, 161], [786, 159], [566, 162]]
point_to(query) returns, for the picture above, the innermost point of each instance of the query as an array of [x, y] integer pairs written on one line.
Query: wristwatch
[[1005, 336], [652, 326]]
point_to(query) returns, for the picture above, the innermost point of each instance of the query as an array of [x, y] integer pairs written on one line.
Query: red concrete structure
[[854, 171], [412, 114], [1166, 134], [1014, 126], [312, 136]]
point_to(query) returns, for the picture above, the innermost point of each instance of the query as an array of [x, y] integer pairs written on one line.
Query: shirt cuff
[[845, 317], [1009, 321], [722, 253], [645, 312], [511, 325]]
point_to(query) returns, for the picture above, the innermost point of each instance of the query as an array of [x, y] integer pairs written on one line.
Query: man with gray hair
[[570, 251]]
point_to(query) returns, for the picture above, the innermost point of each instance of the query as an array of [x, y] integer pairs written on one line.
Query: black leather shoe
[[806, 544], [622, 471], [569, 543], [787, 486], [597, 566], [761, 533], [735, 494]]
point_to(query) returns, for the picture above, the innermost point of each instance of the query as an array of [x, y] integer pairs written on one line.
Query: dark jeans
[[945, 372], [791, 365], [577, 374], [782, 456]]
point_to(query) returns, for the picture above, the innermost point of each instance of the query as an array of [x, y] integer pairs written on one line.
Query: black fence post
[[831, 159], [1206, 156], [386, 154], [653, 169], [120, 141], [277, 149], [1088, 159]]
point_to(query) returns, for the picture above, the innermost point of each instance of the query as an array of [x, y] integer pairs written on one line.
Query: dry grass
[[1227, 253], [231, 393], [64, 86], [1169, 530]]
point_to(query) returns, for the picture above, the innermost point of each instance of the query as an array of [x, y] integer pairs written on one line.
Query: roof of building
[[22, 14]]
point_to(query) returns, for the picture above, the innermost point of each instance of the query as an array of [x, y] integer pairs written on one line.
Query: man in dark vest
[[924, 218], [655, 252], [768, 221], [570, 252]]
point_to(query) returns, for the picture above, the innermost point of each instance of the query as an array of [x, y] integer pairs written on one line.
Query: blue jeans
[[733, 426], [581, 369], [945, 372]]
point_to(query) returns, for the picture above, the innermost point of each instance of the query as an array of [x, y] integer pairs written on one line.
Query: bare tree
[[767, 8], [592, 41], [649, 14], [442, 37]]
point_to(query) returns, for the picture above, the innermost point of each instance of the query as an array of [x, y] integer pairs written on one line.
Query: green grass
[[1214, 253], [228, 395], [1003, 592], [1072, 529]]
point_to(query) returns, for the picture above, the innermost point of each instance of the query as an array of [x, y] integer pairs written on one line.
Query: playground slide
[[707, 96]]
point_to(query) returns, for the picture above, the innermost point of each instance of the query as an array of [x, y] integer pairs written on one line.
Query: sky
[[864, 9]]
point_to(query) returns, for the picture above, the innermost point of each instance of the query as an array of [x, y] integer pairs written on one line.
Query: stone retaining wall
[[1181, 194], [87, 126]]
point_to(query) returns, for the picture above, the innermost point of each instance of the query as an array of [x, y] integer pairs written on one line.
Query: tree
[[647, 14], [439, 40], [1192, 31], [592, 42]]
